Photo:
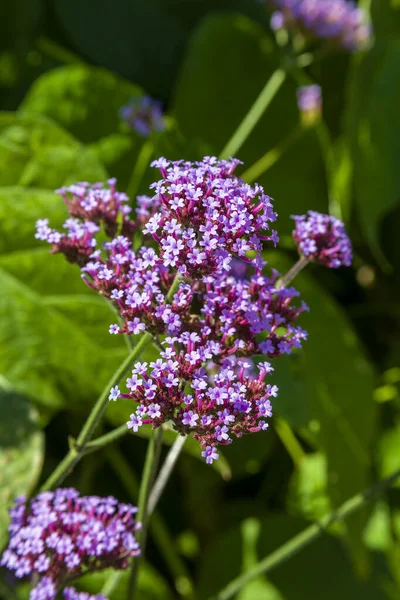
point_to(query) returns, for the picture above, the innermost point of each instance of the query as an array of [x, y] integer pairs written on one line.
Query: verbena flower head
[[144, 115], [339, 21], [208, 216], [206, 226], [323, 239], [61, 535]]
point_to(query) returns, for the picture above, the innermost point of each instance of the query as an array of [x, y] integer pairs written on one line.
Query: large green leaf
[[373, 123], [84, 100], [36, 152], [45, 354], [229, 61], [136, 26], [54, 345], [339, 390], [21, 451]]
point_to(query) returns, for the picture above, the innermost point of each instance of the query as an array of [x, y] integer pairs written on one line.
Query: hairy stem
[[300, 541], [255, 113]]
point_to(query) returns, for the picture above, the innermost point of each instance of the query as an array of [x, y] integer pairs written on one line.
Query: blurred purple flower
[[339, 21], [144, 115]]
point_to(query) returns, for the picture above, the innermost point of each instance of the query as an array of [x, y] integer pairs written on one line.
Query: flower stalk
[[148, 476], [78, 449]]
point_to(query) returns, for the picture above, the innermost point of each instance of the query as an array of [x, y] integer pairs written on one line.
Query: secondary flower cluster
[[61, 535], [208, 317], [322, 239], [144, 115], [208, 216], [339, 21]]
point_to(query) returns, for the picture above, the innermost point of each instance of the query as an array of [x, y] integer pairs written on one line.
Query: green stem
[[325, 143], [159, 530], [139, 170], [289, 440], [255, 113], [165, 473], [106, 439], [300, 541], [148, 476], [78, 448], [295, 270], [272, 156]]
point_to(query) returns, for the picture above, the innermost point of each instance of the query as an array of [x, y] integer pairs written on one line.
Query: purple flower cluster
[[199, 381], [201, 225], [144, 115], [339, 21], [322, 239], [90, 206], [208, 216], [61, 535]]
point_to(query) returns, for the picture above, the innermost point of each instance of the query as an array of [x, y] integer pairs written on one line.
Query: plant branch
[[255, 113], [165, 473], [78, 448], [148, 476], [272, 156], [158, 528]]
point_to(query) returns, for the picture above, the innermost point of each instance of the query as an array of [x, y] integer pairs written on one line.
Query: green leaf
[[136, 26], [36, 152], [331, 575], [19, 209], [388, 452], [47, 355], [21, 451], [374, 133], [308, 488], [54, 341], [292, 403], [340, 382], [243, 52], [84, 100]]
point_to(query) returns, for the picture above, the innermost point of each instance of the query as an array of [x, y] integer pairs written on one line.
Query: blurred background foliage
[[66, 67]]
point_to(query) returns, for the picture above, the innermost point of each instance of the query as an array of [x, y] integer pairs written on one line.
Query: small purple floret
[[144, 115]]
